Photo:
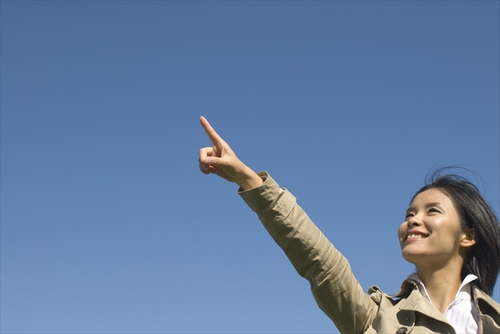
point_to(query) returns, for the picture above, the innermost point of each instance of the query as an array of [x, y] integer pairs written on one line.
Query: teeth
[[414, 236]]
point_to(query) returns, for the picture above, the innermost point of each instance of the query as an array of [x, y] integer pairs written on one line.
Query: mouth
[[414, 236]]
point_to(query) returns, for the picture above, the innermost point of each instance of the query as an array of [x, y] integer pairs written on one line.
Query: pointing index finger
[[211, 133]]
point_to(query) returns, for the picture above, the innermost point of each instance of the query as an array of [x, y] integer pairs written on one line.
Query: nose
[[414, 221]]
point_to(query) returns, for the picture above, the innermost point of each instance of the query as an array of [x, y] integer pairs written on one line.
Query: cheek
[[401, 231]]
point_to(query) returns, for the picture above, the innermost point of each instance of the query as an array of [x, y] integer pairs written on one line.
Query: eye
[[409, 215], [435, 210]]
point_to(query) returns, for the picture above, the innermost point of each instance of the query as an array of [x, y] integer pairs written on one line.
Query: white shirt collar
[[463, 291]]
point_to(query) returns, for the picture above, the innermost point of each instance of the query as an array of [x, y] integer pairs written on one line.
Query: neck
[[441, 285]]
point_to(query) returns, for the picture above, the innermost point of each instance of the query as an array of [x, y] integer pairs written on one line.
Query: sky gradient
[[107, 225]]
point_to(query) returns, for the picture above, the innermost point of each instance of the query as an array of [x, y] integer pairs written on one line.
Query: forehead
[[433, 195]]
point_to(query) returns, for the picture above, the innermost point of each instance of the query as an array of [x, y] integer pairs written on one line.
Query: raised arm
[[220, 159], [335, 288]]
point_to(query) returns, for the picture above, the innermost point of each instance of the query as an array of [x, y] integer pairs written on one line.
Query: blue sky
[[108, 226]]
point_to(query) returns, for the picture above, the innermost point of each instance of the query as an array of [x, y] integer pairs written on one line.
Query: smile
[[415, 236]]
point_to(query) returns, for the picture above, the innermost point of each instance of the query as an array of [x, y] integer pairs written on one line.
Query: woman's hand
[[221, 160]]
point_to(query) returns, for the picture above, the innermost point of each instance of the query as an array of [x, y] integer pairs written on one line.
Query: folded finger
[[204, 169], [204, 153]]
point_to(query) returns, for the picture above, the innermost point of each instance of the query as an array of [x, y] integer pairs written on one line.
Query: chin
[[409, 257]]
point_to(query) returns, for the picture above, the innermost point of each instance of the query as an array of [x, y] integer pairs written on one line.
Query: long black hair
[[483, 260]]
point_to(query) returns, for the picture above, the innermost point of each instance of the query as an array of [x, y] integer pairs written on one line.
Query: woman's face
[[432, 234]]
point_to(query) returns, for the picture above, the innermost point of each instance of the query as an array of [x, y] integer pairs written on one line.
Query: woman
[[450, 234]]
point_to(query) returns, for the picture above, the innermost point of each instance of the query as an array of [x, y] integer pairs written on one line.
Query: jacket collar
[[414, 300], [485, 304]]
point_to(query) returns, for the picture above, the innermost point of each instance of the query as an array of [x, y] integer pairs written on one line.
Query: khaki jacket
[[333, 284]]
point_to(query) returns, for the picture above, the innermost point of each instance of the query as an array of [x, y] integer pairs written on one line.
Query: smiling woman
[[450, 233], [452, 236], [473, 220]]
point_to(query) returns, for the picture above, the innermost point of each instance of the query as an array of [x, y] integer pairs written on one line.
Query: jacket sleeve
[[333, 284]]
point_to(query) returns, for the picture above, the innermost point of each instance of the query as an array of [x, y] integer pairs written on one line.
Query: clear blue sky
[[107, 226]]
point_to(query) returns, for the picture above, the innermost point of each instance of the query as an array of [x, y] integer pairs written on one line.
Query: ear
[[468, 238]]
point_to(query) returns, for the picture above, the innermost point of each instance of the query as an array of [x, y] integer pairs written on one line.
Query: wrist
[[250, 180]]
